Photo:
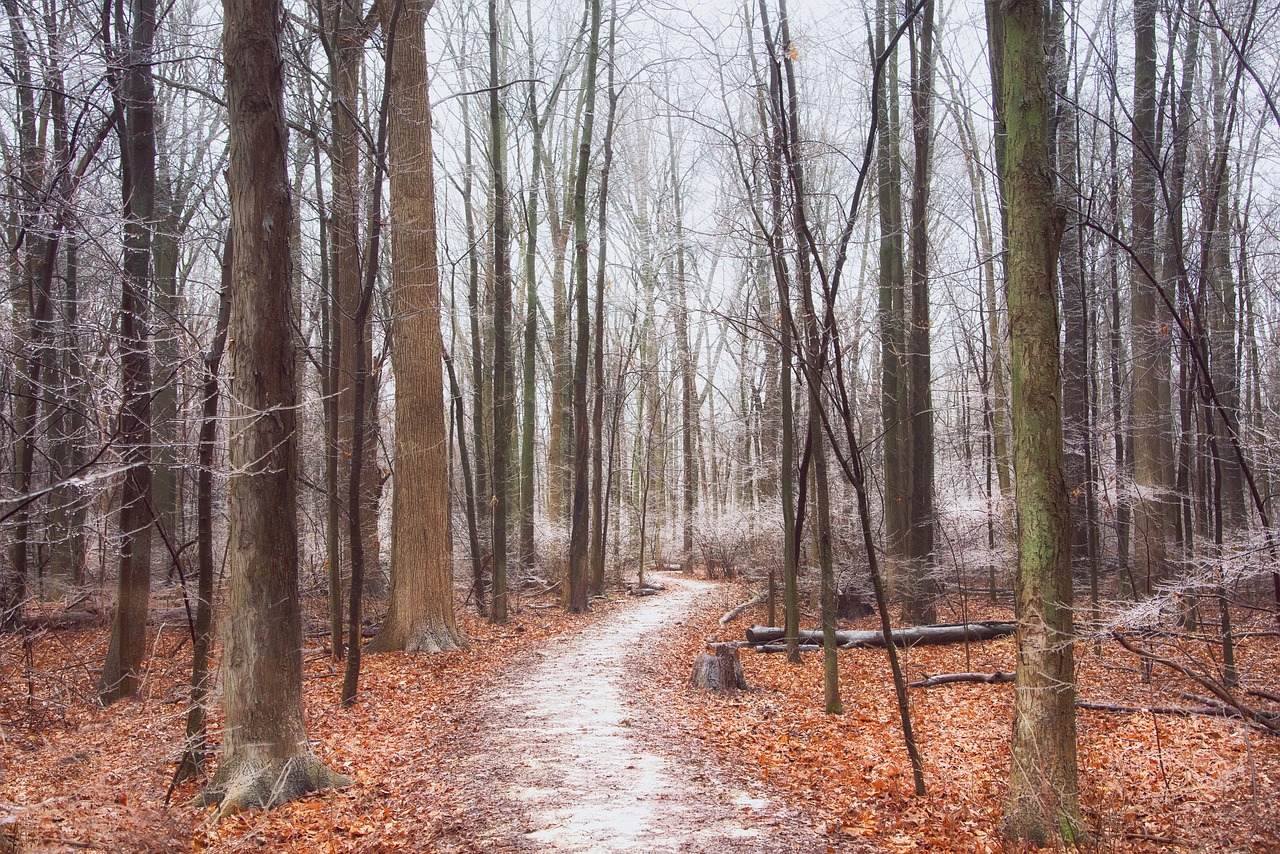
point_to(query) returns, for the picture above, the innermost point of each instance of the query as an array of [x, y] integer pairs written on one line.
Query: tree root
[[429, 638], [250, 784]]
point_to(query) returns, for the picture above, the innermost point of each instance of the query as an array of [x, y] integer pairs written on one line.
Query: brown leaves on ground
[[73, 775], [1148, 782]]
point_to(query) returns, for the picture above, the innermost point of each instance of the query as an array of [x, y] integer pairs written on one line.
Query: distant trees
[[675, 280]]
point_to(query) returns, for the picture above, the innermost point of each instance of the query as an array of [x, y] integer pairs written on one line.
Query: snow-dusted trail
[[554, 761]]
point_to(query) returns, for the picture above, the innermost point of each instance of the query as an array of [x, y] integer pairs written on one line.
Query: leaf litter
[[478, 750]]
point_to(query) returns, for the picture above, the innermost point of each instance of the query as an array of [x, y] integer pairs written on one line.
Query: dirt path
[[565, 758]]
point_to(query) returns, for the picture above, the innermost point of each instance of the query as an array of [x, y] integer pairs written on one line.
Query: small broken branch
[[738, 611], [1230, 706], [1000, 676]]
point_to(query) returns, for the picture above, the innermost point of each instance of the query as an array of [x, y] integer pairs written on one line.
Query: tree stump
[[721, 671]]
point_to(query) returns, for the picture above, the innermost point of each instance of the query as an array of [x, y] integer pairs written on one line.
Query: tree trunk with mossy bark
[[1043, 795], [265, 759], [420, 616]]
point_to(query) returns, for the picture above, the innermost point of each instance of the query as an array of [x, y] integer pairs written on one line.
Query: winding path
[[557, 761]]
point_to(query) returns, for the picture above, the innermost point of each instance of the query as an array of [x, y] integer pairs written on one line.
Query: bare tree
[[265, 759]]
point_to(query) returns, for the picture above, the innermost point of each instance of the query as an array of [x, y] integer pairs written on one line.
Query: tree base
[[429, 639], [247, 784], [1026, 820], [719, 672]]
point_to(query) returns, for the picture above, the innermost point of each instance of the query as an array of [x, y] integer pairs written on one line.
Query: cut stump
[[721, 671]]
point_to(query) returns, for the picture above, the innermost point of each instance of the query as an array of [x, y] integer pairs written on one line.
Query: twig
[[1000, 676]]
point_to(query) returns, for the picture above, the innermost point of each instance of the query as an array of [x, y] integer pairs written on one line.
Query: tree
[[919, 589], [347, 33], [579, 536], [685, 367], [265, 759], [1152, 414], [194, 743], [121, 673], [420, 615], [31, 300], [503, 359], [1075, 307], [599, 488], [1043, 796], [892, 313]]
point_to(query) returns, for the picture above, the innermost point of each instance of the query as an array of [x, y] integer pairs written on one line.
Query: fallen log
[[782, 647], [94, 618], [647, 588], [64, 620], [735, 613], [1000, 676], [906, 636]]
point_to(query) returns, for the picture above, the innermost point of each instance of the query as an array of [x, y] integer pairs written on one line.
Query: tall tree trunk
[[1075, 308], [346, 271], [529, 378], [475, 307], [685, 366], [67, 396], [1219, 306], [166, 473], [576, 582], [1152, 424], [814, 368], [122, 671], [420, 615], [999, 403], [67, 455], [785, 327], [469, 493], [1116, 356], [921, 589], [194, 747], [1043, 800], [265, 758], [892, 315], [503, 370], [560, 422], [30, 303], [599, 488]]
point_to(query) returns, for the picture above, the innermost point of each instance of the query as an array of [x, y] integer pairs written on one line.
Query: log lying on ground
[[648, 588], [996, 678], [720, 671], [770, 638], [737, 612], [95, 618]]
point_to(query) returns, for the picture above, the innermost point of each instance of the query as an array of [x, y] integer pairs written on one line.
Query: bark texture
[[1152, 418], [420, 613], [579, 535], [265, 759], [121, 673], [1043, 795]]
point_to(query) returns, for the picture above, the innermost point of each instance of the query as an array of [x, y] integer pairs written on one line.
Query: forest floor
[[580, 733]]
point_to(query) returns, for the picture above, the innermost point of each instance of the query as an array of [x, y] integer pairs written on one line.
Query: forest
[[586, 425]]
